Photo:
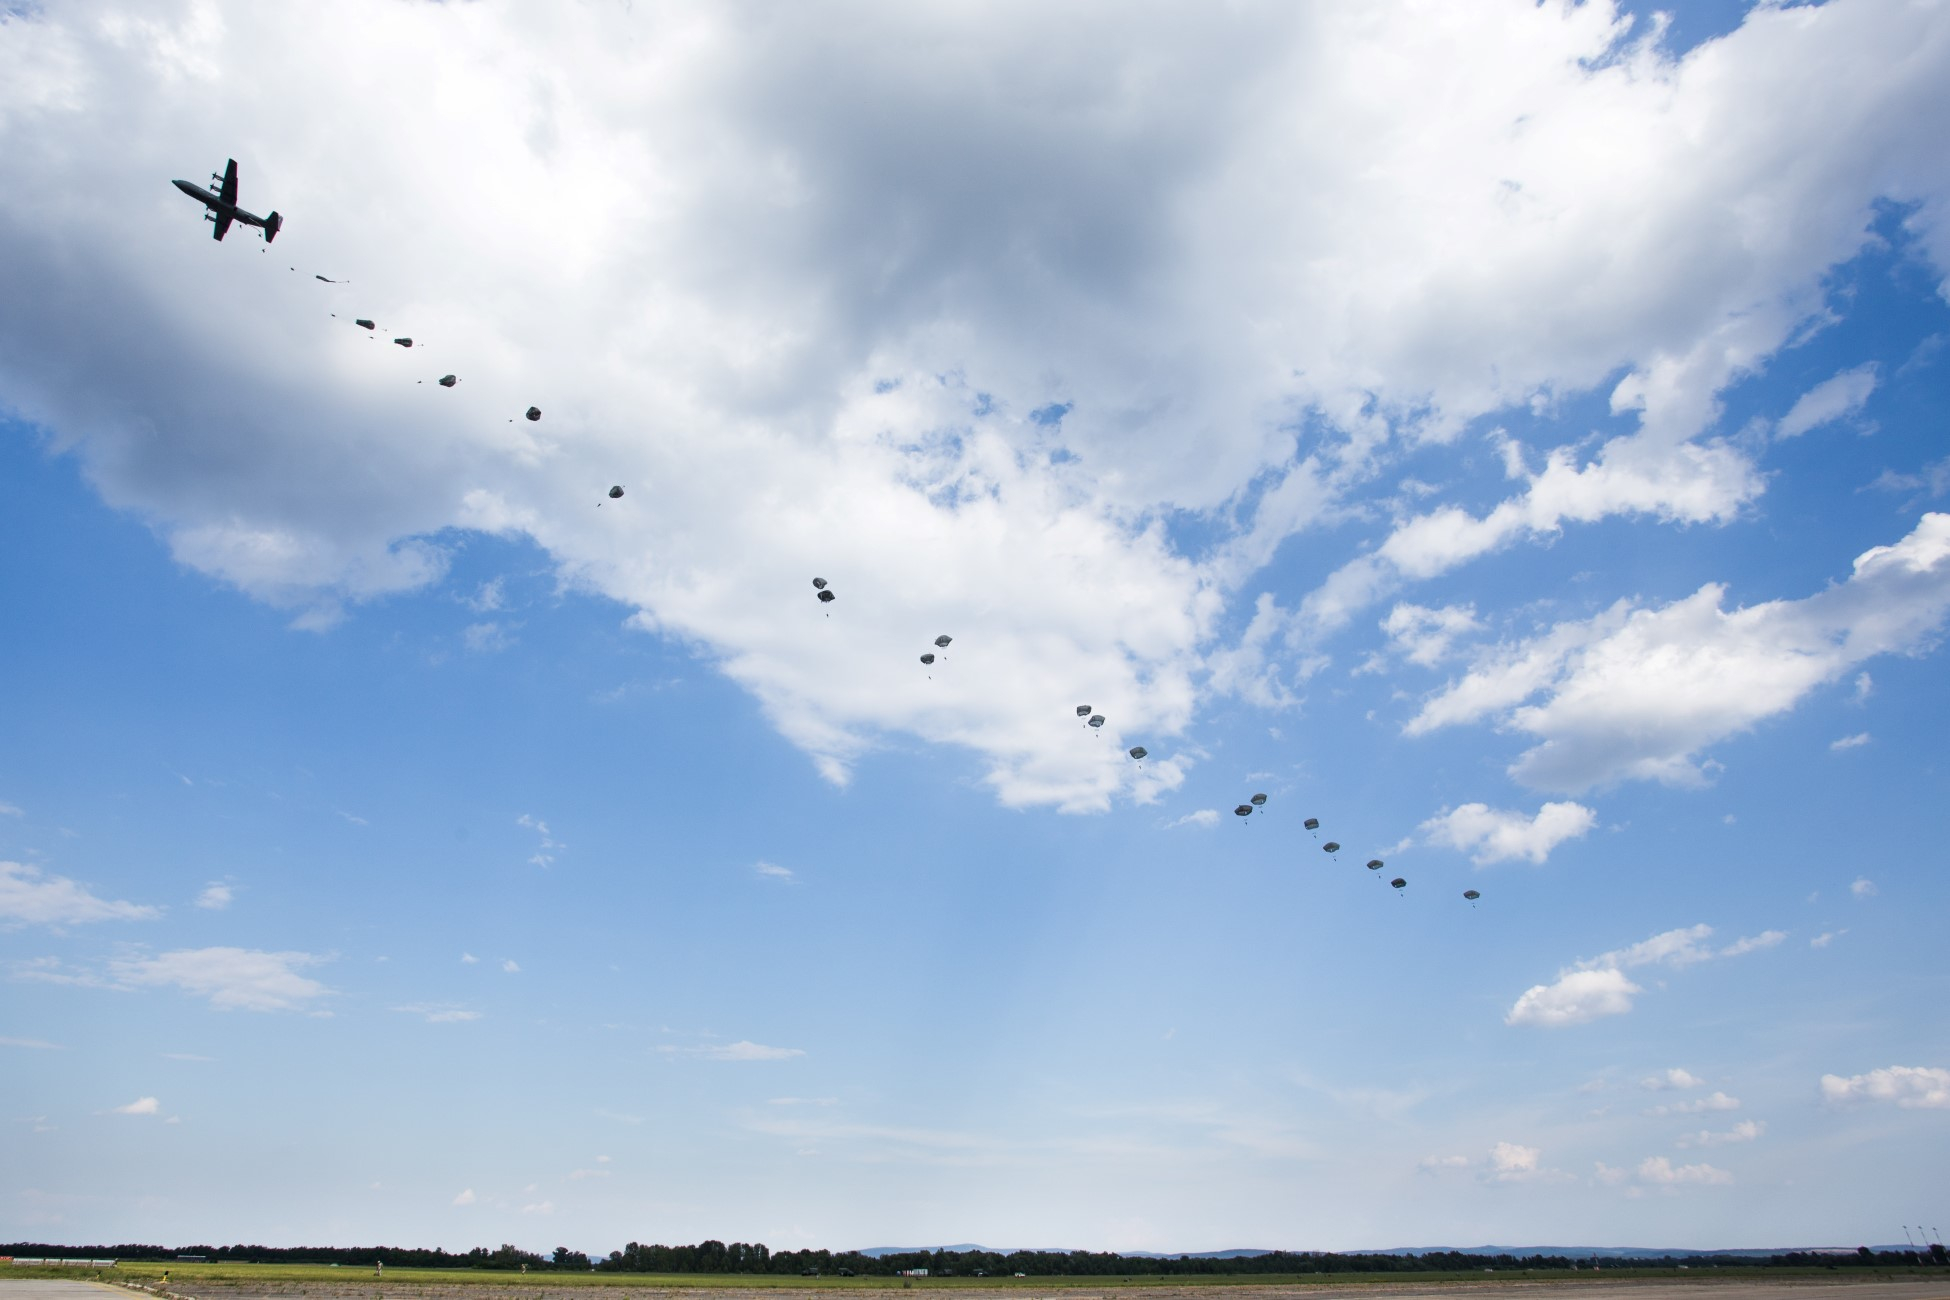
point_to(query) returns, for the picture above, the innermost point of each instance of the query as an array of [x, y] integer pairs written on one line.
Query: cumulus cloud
[[1661, 1171], [1510, 1162], [1497, 835], [234, 979], [1672, 1078], [1828, 401], [29, 896], [215, 896], [1912, 1087], [1428, 636], [739, 1051], [1863, 887], [1747, 1130], [1205, 817], [1714, 1101], [1598, 987], [465, 1197], [510, 966], [819, 335], [1636, 693], [140, 1106]]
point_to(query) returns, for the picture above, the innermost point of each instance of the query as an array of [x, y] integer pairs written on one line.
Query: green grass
[[185, 1276]]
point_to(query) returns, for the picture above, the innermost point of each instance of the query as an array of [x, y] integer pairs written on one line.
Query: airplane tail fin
[[272, 224]]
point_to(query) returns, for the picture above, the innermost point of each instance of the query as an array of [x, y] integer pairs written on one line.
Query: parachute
[[1399, 883], [616, 492], [362, 323], [943, 641], [1374, 864], [1312, 823], [1083, 710], [819, 584], [1471, 895], [927, 659], [1259, 801], [533, 412], [1330, 847], [405, 343], [1243, 810], [825, 596], [1096, 719], [1138, 752], [448, 381]]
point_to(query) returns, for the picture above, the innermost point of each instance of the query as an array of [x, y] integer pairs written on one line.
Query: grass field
[[293, 1278]]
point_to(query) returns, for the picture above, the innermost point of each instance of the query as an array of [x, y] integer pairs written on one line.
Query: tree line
[[753, 1257]]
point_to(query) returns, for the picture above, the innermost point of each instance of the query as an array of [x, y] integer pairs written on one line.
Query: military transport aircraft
[[223, 207]]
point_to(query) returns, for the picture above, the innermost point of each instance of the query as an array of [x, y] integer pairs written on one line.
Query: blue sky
[[1538, 477]]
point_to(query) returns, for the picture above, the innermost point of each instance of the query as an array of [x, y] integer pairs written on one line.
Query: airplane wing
[[229, 192], [222, 227]]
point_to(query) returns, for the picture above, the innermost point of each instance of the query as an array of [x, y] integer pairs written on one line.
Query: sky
[[1510, 434]]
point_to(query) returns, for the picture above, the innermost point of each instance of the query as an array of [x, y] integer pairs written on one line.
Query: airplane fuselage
[[222, 211]]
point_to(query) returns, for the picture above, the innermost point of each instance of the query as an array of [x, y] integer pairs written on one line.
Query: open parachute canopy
[[405, 343], [1330, 847], [825, 596], [1243, 810], [927, 659], [819, 584], [1471, 895], [533, 413], [1259, 801], [1139, 751], [1374, 864], [363, 323], [1096, 719], [616, 492], [448, 381], [1312, 823], [1399, 883], [943, 641], [1083, 710]]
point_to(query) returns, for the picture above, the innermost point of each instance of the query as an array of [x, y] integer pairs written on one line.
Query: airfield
[[310, 1283]]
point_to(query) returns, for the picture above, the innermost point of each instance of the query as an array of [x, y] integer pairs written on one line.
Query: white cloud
[[1597, 987], [1747, 1130], [232, 978], [1442, 1164], [1856, 741], [544, 855], [1909, 1086], [1428, 636], [511, 966], [486, 638], [28, 896], [1578, 996], [469, 959], [1609, 1175], [543, 1208], [1672, 1078], [10, 809], [38, 1044], [1204, 817], [1497, 835], [1863, 887], [1661, 1171], [1178, 268], [1753, 943], [773, 871], [1715, 1101], [438, 1013], [466, 1197], [1829, 401], [1510, 1162], [215, 896], [1636, 693], [140, 1106], [1825, 938], [739, 1051]]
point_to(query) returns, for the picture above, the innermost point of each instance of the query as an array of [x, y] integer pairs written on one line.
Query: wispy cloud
[[1661, 1171], [1856, 741], [10, 810], [1672, 1078], [511, 966], [234, 979], [35, 1044], [1598, 987], [1747, 1130], [773, 871], [466, 1197], [1863, 888], [140, 1106], [1711, 1102], [215, 896], [544, 855], [1206, 817], [438, 1013], [739, 1051], [29, 896]]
